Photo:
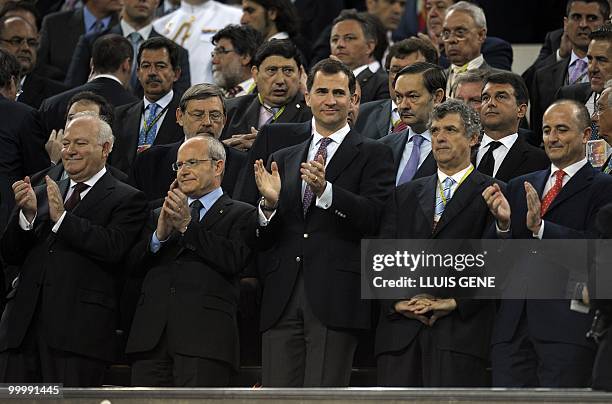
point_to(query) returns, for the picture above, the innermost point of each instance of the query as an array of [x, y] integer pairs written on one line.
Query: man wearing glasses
[[19, 38], [184, 331], [200, 112]]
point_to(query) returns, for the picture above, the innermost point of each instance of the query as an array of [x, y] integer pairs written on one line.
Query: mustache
[[153, 79]]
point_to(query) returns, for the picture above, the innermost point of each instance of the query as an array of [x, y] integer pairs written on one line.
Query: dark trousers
[[36, 362], [164, 367], [300, 351], [423, 364], [602, 369], [528, 362]]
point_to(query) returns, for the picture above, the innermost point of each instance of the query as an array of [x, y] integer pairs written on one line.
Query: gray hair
[[201, 91], [473, 10], [470, 76], [469, 117], [105, 133], [216, 150]]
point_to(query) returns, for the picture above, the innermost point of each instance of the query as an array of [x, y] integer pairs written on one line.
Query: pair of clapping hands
[[425, 308]]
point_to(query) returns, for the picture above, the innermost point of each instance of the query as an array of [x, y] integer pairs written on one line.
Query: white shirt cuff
[[59, 223], [502, 233], [326, 199], [559, 55], [540, 232], [263, 220], [23, 222], [156, 243]]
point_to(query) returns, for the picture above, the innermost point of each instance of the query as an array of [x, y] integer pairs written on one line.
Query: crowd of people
[[184, 187]]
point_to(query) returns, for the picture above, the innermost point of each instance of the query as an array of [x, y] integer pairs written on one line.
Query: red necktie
[[552, 193], [400, 126], [75, 197]]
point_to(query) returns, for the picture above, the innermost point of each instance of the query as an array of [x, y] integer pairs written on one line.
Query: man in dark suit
[[320, 198], [451, 347], [198, 258], [379, 118], [418, 88], [464, 31], [503, 153], [20, 38], [21, 136], [201, 112], [61, 31], [136, 25], [112, 61], [602, 119], [353, 40], [277, 73], [542, 343], [583, 18], [150, 121], [60, 319]]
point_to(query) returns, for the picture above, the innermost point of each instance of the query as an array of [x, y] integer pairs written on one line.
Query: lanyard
[[251, 88], [147, 128], [441, 190], [277, 114]]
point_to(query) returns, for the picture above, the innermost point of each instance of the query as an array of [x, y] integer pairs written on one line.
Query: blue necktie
[[594, 131], [413, 161], [136, 39], [446, 191], [195, 206], [148, 130]]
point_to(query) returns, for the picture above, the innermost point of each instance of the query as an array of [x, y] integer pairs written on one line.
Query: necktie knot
[[80, 187], [75, 197], [578, 72], [417, 140], [325, 142], [196, 206], [153, 109], [494, 145], [135, 38], [559, 175], [552, 192], [448, 183]]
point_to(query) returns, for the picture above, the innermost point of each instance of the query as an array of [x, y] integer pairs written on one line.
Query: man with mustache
[[20, 38], [150, 121], [418, 88]]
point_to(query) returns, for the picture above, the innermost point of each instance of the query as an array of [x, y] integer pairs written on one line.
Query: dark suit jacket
[[22, 150], [397, 142], [56, 172], [191, 285], [522, 158], [71, 277], [409, 215], [496, 52], [243, 112], [79, 69], [152, 171], [546, 82], [325, 244], [59, 35], [572, 215], [36, 88], [580, 92], [374, 86], [374, 119], [546, 57], [270, 139], [54, 109], [126, 127]]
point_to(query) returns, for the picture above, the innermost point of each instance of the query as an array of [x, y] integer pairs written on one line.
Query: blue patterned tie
[[413, 161], [446, 191], [148, 132], [309, 195], [594, 131]]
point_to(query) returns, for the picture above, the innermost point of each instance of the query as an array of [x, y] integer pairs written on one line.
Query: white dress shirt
[[500, 153]]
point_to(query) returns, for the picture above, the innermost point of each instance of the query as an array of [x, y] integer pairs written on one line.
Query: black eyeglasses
[[221, 51], [18, 41], [188, 164]]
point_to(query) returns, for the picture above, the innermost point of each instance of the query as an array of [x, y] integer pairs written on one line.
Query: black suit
[[522, 158], [314, 262], [67, 290], [201, 270], [555, 331], [374, 86], [580, 92], [397, 142], [243, 113], [79, 69], [37, 88], [546, 82], [460, 350], [59, 36], [54, 109], [22, 150], [497, 53], [374, 119], [546, 57], [152, 171], [126, 128]]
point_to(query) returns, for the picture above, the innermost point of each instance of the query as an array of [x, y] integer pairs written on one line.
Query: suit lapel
[[346, 152], [132, 127], [216, 212], [251, 114], [513, 160], [429, 165], [427, 197], [167, 130], [464, 195], [398, 145], [292, 109], [292, 176], [94, 197], [384, 116], [577, 183]]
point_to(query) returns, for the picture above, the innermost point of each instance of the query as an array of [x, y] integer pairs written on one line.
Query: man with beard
[[150, 121], [20, 38], [235, 47]]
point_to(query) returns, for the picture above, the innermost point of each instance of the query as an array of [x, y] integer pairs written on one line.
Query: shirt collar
[[337, 136], [209, 199], [374, 66], [127, 29], [358, 70], [107, 76], [507, 141], [570, 170], [472, 64], [92, 180], [393, 105], [426, 135], [162, 102], [279, 35], [247, 84], [574, 57], [457, 176], [89, 19]]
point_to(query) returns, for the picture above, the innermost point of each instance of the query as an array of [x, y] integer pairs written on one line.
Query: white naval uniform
[[199, 24]]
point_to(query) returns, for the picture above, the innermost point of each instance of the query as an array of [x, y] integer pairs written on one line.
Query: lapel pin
[[297, 106], [221, 211]]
